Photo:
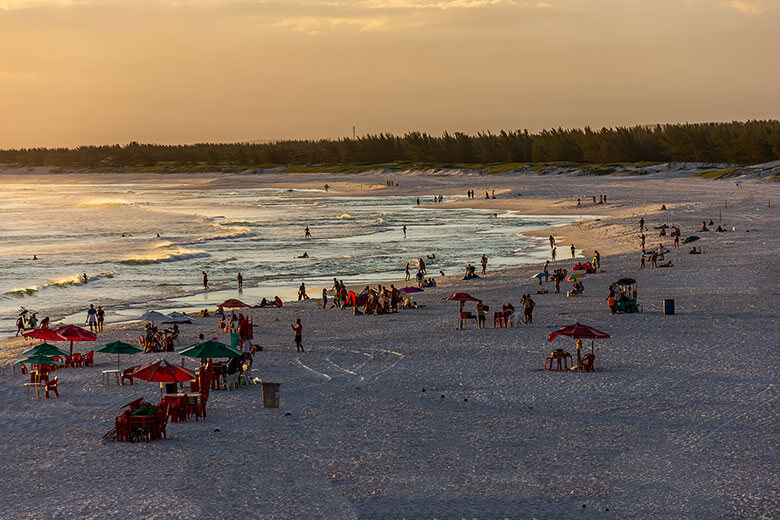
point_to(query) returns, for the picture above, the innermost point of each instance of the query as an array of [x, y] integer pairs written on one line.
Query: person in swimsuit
[[298, 330]]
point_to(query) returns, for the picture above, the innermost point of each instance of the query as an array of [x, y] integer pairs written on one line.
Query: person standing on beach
[[324, 298], [421, 266], [408, 274], [101, 316], [552, 242], [302, 292], [306, 232], [528, 309], [19, 325], [553, 254], [641, 224], [597, 259], [92, 318], [240, 280], [205, 280], [573, 251], [642, 260], [484, 263], [404, 228], [298, 331]]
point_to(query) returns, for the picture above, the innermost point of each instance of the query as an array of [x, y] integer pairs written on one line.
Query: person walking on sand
[[302, 292], [553, 254], [573, 251], [298, 331], [408, 274], [641, 224], [101, 316], [528, 309], [240, 280], [306, 232], [484, 263], [205, 280], [92, 318], [404, 228], [19, 325], [552, 242]]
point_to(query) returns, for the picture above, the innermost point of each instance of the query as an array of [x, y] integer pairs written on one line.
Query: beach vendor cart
[[625, 295]]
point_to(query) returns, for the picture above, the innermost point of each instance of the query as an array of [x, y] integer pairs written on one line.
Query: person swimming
[[304, 255]]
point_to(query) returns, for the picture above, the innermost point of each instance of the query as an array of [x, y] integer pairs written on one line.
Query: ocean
[[110, 233]]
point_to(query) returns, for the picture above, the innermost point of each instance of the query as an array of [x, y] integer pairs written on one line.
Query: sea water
[[109, 231]]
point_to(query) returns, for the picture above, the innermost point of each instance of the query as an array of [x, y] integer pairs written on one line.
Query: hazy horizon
[[81, 72]]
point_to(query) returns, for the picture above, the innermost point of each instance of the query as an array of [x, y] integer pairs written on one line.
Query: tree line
[[749, 142]]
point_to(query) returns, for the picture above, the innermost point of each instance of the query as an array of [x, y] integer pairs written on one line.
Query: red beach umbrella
[[73, 333], [578, 331], [44, 334], [462, 298], [163, 372], [232, 304]]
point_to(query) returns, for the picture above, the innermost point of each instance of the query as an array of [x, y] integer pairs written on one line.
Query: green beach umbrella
[[39, 360], [574, 277], [210, 349], [44, 349], [119, 347]]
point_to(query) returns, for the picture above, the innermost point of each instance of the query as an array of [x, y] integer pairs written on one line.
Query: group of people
[[157, 340]]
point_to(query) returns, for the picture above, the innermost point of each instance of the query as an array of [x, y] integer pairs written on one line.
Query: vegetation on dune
[[599, 151]]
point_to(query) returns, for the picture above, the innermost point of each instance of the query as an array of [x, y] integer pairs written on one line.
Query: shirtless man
[[298, 330]]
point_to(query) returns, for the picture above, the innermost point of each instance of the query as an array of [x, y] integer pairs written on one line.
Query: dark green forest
[[750, 142]]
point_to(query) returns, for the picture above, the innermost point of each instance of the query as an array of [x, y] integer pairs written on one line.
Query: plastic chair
[[128, 374], [89, 359], [158, 431], [587, 363], [122, 427], [51, 386]]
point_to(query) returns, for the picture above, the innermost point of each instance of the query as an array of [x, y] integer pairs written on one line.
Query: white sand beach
[[402, 416]]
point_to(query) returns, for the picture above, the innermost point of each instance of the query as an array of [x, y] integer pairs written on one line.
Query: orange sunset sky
[[177, 71]]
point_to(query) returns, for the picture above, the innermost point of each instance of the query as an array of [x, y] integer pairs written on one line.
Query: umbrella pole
[[460, 312], [71, 347], [579, 359]]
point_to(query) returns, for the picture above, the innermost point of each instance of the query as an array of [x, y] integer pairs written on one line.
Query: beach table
[[558, 357], [37, 386], [106, 375]]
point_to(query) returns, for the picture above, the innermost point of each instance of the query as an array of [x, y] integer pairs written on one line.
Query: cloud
[[748, 7]]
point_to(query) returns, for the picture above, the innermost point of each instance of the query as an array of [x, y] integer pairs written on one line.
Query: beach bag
[[611, 301]]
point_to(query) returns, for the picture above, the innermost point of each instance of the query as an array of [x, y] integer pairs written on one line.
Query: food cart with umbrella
[[119, 347], [73, 333], [625, 295], [579, 331], [462, 298]]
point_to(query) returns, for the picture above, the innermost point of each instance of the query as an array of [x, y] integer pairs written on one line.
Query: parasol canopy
[[410, 290], [178, 317], [153, 316], [119, 347], [462, 297], [573, 277], [39, 360], [163, 372], [232, 304], [541, 275], [44, 349], [73, 333], [44, 334], [578, 330], [210, 349]]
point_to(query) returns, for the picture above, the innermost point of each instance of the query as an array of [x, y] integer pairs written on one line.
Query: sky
[[78, 72]]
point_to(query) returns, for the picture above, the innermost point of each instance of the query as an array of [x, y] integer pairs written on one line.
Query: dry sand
[[679, 421]]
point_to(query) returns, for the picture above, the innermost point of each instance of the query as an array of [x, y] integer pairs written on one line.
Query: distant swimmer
[[205, 280], [158, 235], [84, 278], [304, 255], [404, 228], [35, 257], [306, 233], [326, 187], [240, 280]]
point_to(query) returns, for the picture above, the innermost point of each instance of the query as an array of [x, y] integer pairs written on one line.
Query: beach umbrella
[[44, 349], [153, 316], [232, 304], [163, 372], [44, 334], [73, 333], [692, 238], [39, 360], [462, 298], [178, 317], [579, 331], [210, 349], [119, 347], [541, 275], [410, 290], [573, 277]]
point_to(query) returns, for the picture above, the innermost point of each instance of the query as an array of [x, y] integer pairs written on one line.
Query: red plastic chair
[[128, 374], [587, 363], [122, 427], [89, 359], [51, 386], [158, 430], [24, 369]]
